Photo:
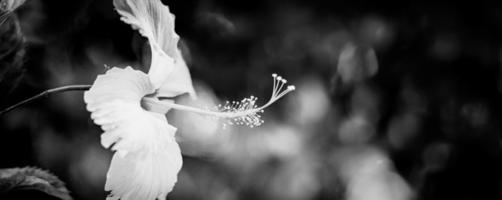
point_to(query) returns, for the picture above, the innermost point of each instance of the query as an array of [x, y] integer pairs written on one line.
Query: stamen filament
[[244, 112], [167, 104]]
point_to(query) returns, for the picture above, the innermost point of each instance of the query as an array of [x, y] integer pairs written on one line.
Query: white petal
[[178, 82], [153, 20], [126, 84], [168, 70], [151, 171], [147, 158]]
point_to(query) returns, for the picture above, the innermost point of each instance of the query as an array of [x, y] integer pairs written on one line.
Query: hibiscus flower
[[126, 104]]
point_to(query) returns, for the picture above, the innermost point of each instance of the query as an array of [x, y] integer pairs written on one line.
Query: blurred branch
[[45, 94]]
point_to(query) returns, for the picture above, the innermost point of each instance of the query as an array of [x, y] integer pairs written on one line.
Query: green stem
[[45, 94]]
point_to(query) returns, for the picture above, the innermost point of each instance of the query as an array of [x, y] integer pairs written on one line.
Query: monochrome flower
[[147, 158], [126, 104]]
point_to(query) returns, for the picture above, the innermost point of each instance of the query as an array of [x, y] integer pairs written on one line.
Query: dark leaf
[[33, 182]]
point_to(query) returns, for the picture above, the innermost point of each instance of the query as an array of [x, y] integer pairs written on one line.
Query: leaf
[[26, 179], [10, 5], [7, 8], [168, 70]]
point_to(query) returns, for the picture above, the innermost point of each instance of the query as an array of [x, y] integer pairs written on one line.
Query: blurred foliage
[[12, 53], [394, 99]]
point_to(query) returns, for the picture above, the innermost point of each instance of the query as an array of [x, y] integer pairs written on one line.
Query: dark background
[[394, 100]]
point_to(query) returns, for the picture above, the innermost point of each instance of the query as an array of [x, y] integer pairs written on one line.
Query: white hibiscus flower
[[125, 103]]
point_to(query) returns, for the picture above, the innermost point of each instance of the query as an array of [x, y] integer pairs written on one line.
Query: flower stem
[[45, 94]]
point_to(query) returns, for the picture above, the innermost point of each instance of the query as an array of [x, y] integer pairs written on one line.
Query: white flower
[[147, 158], [124, 102]]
